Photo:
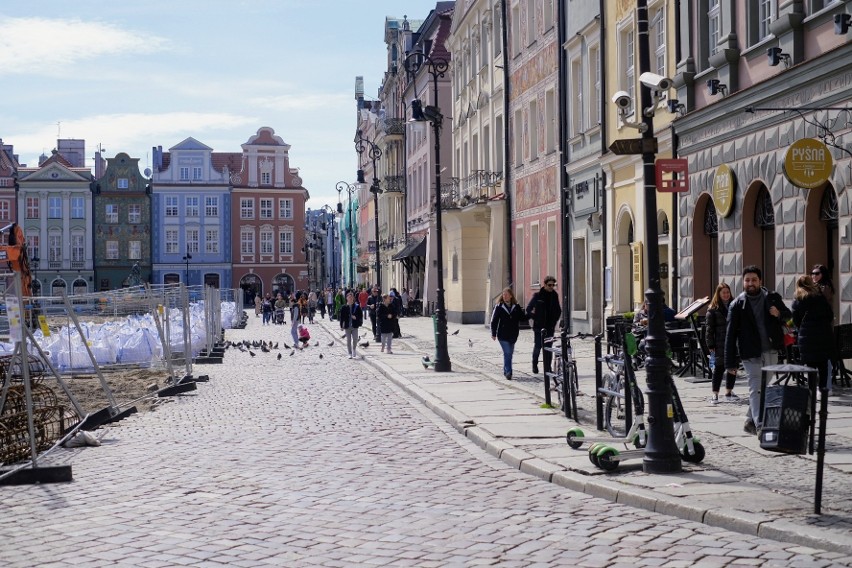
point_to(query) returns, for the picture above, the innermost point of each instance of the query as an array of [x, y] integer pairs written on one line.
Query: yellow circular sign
[[807, 163], [724, 184]]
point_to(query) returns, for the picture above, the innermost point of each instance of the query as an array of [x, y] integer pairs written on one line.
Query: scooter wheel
[[608, 459], [697, 457], [572, 436], [593, 456], [638, 443]]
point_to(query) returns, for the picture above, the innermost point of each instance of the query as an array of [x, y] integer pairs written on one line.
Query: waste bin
[[786, 419]]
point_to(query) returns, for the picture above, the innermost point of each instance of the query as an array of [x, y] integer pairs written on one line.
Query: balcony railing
[[478, 187], [78, 264], [391, 126], [54, 265], [394, 184]]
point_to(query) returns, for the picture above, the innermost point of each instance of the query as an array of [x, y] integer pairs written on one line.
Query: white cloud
[[302, 101], [38, 45]]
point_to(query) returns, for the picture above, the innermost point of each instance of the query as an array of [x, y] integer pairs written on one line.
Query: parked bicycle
[[563, 378]]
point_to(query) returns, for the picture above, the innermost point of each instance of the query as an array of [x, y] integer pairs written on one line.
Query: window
[[192, 206], [517, 138], [765, 16], [516, 29], [628, 59], [134, 213], [171, 206], [266, 178], [498, 144], [192, 241], [211, 206], [576, 96], [54, 247], [32, 245], [267, 240], [533, 118], [78, 249], [658, 40], [547, 14], [112, 250], [54, 207], [266, 209], [531, 27], [123, 183], [595, 82], [111, 213], [171, 241], [4, 210], [247, 241], [285, 242], [714, 21], [246, 208], [550, 126], [285, 208], [485, 47], [77, 205], [498, 32], [196, 174], [211, 241], [578, 290], [535, 257], [184, 174], [32, 207], [134, 250]]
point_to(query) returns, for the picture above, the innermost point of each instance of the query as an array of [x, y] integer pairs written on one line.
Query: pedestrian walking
[[716, 326], [351, 318], [813, 317], [258, 305], [822, 278], [339, 302], [397, 306], [266, 309], [505, 327], [544, 311], [372, 303], [386, 317], [404, 297], [312, 306], [755, 333]]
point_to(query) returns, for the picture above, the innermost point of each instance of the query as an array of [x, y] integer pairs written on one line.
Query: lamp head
[[842, 22], [360, 177]]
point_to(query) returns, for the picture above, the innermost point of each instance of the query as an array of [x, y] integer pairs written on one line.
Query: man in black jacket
[[544, 311], [755, 333], [373, 302]]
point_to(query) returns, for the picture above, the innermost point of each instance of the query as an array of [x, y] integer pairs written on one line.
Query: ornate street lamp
[[340, 186], [187, 258], [374, 152], [328, 219], [437, 66]]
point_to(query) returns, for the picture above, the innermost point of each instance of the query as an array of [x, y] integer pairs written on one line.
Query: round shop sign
[[724, 184], [807, 163]]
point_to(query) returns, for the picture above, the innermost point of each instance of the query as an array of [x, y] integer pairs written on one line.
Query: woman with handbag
[[716, 325], [813, 317]]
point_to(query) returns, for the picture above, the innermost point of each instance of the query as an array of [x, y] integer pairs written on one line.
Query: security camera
[[622, 100], [655, 82]]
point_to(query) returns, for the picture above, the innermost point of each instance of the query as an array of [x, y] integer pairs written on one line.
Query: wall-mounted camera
[[622, 100], [655, 82]]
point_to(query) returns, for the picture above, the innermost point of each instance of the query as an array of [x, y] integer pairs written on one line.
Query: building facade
[[122, 222], [8, 178], [55, 205], [191, 217], [755, 80], [268, 225]]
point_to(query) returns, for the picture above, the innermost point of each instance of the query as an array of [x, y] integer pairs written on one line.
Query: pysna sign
[[807, 163]]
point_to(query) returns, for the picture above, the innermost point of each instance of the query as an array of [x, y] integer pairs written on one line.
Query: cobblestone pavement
[[305, 461]]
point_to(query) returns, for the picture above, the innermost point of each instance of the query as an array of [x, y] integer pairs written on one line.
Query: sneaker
[[749, 427], [508, 376], [535, 368], [731, 398], [390, 352], [714, 400]]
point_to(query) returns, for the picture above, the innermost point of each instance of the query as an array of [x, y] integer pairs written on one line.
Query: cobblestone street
[[309, 461]]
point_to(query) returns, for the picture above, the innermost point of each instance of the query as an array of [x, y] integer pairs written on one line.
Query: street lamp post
[[437, 66], [328, 219], [340, 186], [374, 152], [186, 259], [661, 453]]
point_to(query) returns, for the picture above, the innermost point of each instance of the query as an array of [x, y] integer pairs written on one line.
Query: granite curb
[[743, 522]]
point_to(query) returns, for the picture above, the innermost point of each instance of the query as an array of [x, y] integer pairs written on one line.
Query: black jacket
[[373, 300], [716, 327], [544, 309], [813, 317], [383, 322], [353, 317], [505, 321], [742, 336]]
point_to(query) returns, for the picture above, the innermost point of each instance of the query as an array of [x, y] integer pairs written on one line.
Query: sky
[[132, 75]]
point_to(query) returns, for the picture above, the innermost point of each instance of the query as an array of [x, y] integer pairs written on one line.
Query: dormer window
[[266, 178], [123, 183]]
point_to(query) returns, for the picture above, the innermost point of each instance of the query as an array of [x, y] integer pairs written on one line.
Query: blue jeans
[[753, 371], [508, 349]]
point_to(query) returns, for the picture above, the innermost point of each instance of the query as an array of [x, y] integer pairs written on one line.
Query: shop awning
[[413, 254]]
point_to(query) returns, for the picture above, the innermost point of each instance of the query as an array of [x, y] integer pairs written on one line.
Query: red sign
[[678, 181]]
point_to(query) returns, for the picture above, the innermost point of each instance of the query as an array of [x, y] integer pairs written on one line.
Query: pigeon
[[316, 344], [291, 352], [320, 355], [286, 346], [264, 348], [365, 344], [252, 353], [275, 346], [456, 332], [279, 356], [330, 344], [470, 342]]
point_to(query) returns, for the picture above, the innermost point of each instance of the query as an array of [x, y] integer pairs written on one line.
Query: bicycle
[[563, 378]]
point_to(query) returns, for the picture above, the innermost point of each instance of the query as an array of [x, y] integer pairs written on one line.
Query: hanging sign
[[807, 163], [676, 166], [724, 185]]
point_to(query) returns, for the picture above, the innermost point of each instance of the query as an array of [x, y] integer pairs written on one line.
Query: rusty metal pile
[[51, 418]]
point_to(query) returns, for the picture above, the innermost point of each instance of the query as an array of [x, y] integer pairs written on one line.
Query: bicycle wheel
[[556, 383], [614, 409]]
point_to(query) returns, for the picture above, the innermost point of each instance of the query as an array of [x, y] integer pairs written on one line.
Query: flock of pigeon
[[267, 347]]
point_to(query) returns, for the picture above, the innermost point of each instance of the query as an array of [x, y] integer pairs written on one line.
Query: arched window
[[764, 220], [79, 286], [171, 278], [57, 287]]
